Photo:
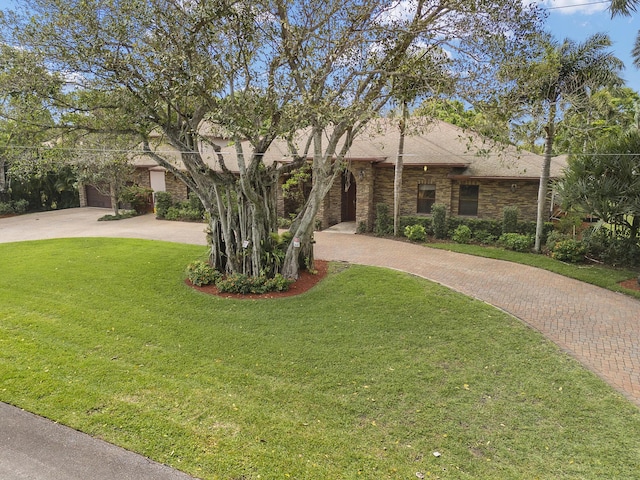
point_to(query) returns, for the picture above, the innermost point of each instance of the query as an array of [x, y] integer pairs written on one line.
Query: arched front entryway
[[348, 213]]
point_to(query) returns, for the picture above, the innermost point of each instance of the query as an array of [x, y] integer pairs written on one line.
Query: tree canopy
[[308, 73], [606, 183], [543, 86]]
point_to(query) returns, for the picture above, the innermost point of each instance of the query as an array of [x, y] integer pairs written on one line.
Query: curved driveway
[[598, 327]]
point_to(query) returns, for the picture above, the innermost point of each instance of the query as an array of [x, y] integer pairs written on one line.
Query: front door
[[348, 197]]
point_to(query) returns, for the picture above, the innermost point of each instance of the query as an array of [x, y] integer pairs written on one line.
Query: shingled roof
[[428, 143]]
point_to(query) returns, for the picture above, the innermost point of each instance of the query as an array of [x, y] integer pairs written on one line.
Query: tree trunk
[[113, 195], [544, 178], [397, 179]]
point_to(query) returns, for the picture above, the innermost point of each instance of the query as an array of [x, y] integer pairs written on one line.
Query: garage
[[97, 199]]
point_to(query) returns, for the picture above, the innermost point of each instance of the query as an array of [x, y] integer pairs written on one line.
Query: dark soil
[[306, 281], [631, 284]]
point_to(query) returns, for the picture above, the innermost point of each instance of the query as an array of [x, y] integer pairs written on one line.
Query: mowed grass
[[365, 376]]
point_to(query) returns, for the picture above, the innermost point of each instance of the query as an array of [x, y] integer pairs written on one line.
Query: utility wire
[[578, 5]]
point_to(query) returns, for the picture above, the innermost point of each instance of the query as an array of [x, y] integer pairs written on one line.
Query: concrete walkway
[[598, 327]]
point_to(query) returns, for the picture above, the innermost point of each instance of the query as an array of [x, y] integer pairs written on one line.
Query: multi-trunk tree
[[311, 73]]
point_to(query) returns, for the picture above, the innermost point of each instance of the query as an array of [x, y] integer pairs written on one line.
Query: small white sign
[[296, 242], [245, 243]]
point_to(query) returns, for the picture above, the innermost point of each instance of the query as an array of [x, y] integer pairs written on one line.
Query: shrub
[[243, 284], [555, 237], [137, 197], [120, 216], [284, 222], [415, 233], [426, 222], [6, 208], [570, 224], [202, 273], [484, 237], [604, 245], [510, 219], [274, 251], [515, 241], [462, 234], [439, 212], [164, 201], [384, 222], [569, 251], [195, 204], [20, 206]]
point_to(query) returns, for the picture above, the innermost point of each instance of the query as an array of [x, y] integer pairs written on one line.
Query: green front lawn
[[365, 376]]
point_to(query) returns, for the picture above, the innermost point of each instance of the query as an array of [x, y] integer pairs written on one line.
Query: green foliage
[[426, 222], [611, 248], [190, 210], [571, 251], [122, 214], [439, 215], [415, 233], [607, 184], [17, 206], [384, 222], [274, 250], [202, 273], [139, 198], [555, 237], [483, 237], [244, 284], [164, 201], [462, 234], [569, 224], [6, 208], [516, 242], [494, 227], [510, 219]]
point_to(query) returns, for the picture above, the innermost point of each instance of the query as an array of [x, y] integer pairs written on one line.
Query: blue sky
[[579, 19]]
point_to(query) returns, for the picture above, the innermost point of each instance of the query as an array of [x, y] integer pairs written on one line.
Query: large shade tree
[[311, 73], [561, 74]]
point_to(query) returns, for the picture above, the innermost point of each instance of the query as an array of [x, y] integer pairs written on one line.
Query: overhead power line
[[578, 5]]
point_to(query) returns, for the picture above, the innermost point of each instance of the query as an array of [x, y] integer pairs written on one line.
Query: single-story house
[[442, 163]]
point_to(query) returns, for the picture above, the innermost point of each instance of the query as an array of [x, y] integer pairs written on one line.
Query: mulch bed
[[305, 281], [631, 284]]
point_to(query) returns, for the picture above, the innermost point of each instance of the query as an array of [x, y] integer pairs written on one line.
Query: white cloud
[[570, 7]]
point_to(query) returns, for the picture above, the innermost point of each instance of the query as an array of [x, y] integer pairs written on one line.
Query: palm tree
[[627, 7], [426, 72], [563, 74]]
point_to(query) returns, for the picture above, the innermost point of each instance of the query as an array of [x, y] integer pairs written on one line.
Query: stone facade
[[178, 190]]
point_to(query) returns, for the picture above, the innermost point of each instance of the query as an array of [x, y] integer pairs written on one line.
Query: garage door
[[97, 199]]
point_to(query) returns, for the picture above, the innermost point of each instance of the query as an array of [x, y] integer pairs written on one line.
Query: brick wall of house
[[364, 175], [493, 195], [178, 190], [330, 211], [140, 177], [411, 178]]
